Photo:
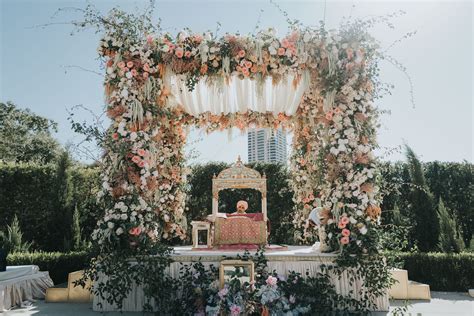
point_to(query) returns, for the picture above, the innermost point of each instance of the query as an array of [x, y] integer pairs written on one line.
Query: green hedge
[[58, 264], [443, 272]]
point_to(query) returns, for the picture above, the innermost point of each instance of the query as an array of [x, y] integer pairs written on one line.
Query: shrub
[[58, 264], [443, 272]]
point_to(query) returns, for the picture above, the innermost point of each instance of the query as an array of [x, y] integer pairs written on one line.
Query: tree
[[449, 237], [25, 136], [422, 208], [15, 237]]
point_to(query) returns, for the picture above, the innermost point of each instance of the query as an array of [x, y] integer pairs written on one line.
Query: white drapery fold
[[238, 95]]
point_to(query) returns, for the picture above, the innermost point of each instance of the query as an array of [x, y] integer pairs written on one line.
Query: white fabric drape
[[238, 95], [18, 290]]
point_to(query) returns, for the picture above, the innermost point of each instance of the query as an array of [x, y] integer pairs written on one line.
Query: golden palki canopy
[[239, 176]]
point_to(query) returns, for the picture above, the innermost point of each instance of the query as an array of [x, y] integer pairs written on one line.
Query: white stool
[[200, 225]]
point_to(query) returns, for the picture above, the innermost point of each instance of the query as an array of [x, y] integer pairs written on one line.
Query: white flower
[[306, 37], [124, 92], [124, 217], [119, 231], [272, 50], [133, 136], [363, 230], [110, 225]]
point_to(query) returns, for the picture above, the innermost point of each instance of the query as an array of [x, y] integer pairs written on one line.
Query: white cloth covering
[[295, 258], [238, 95], [21, 285]]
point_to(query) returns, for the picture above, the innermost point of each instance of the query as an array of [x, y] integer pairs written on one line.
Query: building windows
[[266, 145]]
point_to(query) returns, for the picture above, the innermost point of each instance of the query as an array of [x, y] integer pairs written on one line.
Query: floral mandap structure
[[151, 82]]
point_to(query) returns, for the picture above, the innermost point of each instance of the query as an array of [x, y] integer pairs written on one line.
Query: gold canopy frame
[[239, 176]]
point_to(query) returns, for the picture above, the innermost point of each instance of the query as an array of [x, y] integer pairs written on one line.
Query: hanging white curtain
[[239, 95]]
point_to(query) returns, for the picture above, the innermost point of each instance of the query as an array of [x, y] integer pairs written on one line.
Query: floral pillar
[[143, 153]]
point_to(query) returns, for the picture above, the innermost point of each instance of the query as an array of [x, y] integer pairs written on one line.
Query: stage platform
[[300, 259]]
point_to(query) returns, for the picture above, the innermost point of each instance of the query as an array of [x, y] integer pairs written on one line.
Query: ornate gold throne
[[231, 229]]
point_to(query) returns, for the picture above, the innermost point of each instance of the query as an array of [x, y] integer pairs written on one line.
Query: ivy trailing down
[[143, 168]]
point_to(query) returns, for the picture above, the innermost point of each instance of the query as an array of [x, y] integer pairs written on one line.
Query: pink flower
[[149, 39], [344, 220], [146, 67], [329, 115], [281, 51], [187, 54], [130, 64], [223, 292], [341, 225], [145, 75], [136, 159], [121, 65], [135, 231], [141, 164], [241, 53], [179, 53], [248, 64], [115, 136], [141, 152], [285, 43], [272, 281], [346, 232], [235, 310], [134, 72], [344, 240]]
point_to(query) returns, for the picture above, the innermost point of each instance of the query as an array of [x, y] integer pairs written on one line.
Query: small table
[[201, 225]]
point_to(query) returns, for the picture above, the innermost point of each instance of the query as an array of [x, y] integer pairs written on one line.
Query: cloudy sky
[[42, 68]]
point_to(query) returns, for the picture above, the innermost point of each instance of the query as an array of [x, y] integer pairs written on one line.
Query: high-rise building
[[266, 145]]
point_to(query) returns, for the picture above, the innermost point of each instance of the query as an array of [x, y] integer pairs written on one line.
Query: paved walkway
[[441, 304]]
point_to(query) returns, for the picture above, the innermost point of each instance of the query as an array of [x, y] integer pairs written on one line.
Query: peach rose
[[145, 75], [187, 54], [281, 51], [146, 67], [130, 64], [241, 53], [179, 53], [136, 159], [121, 65], [346, 232], [344, 220], [248, 64], [115, 136], [341, 225], [135, 231], [203, 69], [329, 115], [344, 240], [141, 164], [141, 152], [134, 72]]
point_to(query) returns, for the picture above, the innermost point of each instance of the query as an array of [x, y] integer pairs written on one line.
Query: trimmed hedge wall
[[58, 264], [443, 272]]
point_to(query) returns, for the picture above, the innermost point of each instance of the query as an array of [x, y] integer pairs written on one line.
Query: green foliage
[[443, 272], [5, 244], [25, 136], [449, 237], [15, 237], [453, 182], [422, 208], [77, 241], [58, 264], [35, 193]]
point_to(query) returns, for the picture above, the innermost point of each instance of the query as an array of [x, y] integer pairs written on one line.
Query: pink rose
[[145, 75], [223, 292], [179, 53], [115, 136], [135, 231], [130, 64], [344, 240], [121, 65], [281, 51], [329, 115], [285, 43], [141, 164], [235, 310], [187, 54], [241, 53], [134, 72], [346, 232], [146, 67], [272, 281], [136, 159], [248, 64], [141, 152], [341, 225], [344, 220]]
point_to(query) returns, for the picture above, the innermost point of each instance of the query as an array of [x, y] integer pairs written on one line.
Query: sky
[[49, 71]]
